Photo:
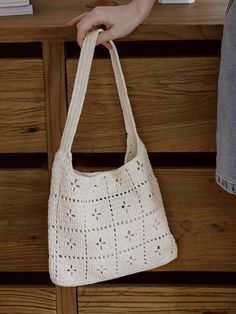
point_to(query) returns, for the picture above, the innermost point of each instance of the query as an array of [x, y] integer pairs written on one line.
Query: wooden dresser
[[171, 65]]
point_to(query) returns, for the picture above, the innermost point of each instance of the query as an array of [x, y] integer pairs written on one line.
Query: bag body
[[106, 224]]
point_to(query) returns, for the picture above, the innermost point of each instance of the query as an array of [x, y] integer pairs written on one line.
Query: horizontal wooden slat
[[201, 217], [173, 100], [30, 300], [23, 220], [201, 20], [22, 107], [146, 299]]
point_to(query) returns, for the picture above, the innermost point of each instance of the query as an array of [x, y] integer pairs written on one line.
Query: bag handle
[[80, 87]]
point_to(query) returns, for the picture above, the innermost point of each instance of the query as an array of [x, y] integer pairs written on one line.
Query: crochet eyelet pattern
[[105, 224]]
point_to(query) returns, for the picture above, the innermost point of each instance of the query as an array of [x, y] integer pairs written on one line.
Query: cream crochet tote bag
[[106, 224]]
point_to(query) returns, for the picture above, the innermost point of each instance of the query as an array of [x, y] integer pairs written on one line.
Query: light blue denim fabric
[[226, 105]]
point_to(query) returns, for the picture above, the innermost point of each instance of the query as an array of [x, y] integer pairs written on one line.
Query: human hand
[[119, 21]]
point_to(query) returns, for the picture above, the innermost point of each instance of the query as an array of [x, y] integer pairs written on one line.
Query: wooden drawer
[[173, 100], [23, 219], [146, 299], [201, 217], [22, 106], [33, 300]]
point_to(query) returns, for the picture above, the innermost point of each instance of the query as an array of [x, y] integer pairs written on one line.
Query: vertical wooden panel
[[66, 300], [55, 97]]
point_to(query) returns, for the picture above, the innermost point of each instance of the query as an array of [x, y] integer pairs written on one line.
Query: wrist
[[142, 8]]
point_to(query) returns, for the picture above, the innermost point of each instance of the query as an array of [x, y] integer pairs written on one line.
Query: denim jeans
[[226, 105]]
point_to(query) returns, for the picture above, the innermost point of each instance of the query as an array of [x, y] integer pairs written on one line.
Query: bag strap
[[80, 87]]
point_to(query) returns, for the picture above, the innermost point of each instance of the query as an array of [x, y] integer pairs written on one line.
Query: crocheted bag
[[105, 224]]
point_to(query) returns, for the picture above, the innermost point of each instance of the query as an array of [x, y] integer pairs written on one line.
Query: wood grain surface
[[22, 106], [27, 300], [55, 95], [201, 20], [66, 300], [173, 99], [23, 219], [146, 299]]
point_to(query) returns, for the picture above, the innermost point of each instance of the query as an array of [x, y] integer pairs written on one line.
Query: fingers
[[105, 36], [86, 24], [107, 45], [76, 19], [88, 21]]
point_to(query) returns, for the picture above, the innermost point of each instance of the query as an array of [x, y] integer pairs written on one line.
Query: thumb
[[105, 36]]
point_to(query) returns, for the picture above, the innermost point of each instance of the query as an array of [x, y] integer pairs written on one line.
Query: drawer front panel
[[22, 106], [23, 217], [33, 300], [173, 100], [201, 217], [146, 299]]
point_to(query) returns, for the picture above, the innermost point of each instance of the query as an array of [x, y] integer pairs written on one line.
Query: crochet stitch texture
[[105, 224]]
